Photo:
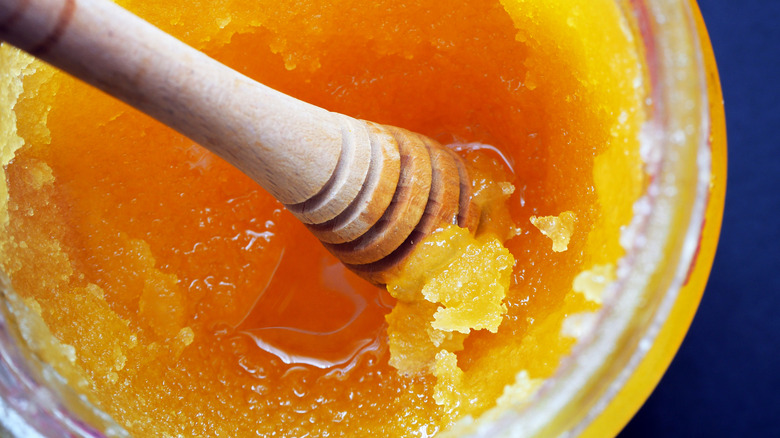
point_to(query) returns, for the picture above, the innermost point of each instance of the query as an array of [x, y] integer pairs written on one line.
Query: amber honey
[[185, 300]]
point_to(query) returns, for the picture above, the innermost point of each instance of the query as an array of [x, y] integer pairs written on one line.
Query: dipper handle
[[364, 189]]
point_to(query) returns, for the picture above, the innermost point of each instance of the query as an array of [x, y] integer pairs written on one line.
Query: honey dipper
[[369, 192]]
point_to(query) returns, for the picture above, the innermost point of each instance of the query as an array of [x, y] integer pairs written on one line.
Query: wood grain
[[370, 192]]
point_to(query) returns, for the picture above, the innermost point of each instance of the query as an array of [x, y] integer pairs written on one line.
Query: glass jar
[[646, 311]]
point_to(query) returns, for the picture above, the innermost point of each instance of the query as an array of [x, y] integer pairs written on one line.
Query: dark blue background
[[725, 380]]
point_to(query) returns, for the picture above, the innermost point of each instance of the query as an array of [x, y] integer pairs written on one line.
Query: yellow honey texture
[[182, 300]]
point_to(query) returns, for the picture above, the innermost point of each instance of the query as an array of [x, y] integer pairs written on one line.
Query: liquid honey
[[184, 300]]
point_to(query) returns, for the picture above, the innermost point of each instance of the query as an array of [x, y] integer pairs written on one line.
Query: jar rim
[[619, 339]]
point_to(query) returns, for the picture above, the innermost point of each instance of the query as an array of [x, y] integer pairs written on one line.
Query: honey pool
[[172, 294]]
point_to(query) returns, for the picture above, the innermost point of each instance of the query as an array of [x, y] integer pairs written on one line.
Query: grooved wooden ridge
[[369, 192]]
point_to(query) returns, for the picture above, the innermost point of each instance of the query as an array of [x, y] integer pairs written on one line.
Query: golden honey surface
[[184, 300]]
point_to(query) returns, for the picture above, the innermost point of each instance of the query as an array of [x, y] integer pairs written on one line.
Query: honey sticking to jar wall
[[182, 299]]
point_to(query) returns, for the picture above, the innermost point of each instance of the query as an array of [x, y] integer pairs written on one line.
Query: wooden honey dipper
[[369, 192]]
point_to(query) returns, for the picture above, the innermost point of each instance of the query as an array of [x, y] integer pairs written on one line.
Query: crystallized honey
[[181, 299]]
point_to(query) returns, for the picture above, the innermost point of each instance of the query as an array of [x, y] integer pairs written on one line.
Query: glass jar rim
[[676, 137]]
